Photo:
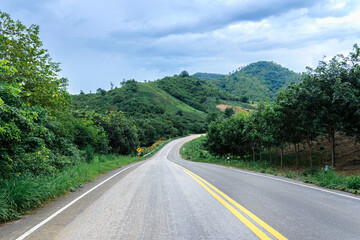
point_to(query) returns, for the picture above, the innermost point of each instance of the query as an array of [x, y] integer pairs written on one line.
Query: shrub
[[353, 182], [290, 174], [89, 153], [310, 172]]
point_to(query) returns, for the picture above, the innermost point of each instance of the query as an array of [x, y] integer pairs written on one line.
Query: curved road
[[166, 197]]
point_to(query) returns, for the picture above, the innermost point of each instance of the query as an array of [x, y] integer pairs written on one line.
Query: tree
[[288, 111], [334, 95], [278, 130], [264, 121], [229, 111], [101, 91], [228, 136], [121, 132], [244, 99], [35, 71], [184, 74], [214, 141]]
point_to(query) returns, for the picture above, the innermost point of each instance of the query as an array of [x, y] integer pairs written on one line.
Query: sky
[[98, 42]]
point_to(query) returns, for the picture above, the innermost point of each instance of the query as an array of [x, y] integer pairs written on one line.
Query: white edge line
[[273, 178], [33, 229], [283, 180]]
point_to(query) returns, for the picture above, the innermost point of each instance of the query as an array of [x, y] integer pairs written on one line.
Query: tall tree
[[36, 72], [333, 96]]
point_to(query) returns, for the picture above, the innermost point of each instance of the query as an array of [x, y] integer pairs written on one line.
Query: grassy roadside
[[194, 151], [20, 194], [23, 193]]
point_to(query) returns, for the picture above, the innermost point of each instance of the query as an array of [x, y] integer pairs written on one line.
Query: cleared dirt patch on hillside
[[237, 109]]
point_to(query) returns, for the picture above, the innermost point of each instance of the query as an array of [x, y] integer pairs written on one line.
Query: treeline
[[325, 102], [40, 133]]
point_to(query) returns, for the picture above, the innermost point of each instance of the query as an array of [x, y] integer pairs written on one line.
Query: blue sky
[[98, 42]]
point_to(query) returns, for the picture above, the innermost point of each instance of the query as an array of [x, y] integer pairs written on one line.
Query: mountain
[[258, 81], [167, 107]]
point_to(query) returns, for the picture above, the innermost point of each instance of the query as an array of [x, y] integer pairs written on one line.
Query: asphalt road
[[166, 197]]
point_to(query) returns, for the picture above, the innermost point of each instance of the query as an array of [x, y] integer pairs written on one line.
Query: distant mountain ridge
[[258, 81]]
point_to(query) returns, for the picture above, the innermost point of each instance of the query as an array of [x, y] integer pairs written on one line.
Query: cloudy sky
[[98, 42]]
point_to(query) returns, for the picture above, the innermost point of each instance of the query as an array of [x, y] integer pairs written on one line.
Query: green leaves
[[32, 98], [21, 49]]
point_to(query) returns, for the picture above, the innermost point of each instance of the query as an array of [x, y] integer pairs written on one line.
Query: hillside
[[167, 107], [258, 81], [195, 92]]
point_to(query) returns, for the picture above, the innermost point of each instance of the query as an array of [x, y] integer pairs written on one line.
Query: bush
[[330, 179], [121, 133], [89, 153], [353, 182], [38, 162], [310, 172]]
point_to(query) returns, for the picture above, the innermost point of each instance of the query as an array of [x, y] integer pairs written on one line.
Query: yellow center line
[[243, 219], [241, 208]]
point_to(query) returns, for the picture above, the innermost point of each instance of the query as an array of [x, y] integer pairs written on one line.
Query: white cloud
[[102, 41]]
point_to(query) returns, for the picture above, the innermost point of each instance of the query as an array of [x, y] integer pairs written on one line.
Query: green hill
[[258, 81], [195, 92], [167, 107]]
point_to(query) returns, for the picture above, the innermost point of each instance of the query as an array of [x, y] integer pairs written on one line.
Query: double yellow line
[[216, 192]]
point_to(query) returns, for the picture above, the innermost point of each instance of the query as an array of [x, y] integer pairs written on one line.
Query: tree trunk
[[260, 152], [253, 150], [281, 157], [310, 153], [296, 154], [332, 141], [269, 150]]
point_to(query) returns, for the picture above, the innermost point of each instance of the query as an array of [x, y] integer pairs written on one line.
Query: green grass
[[171, 104], [23, 193], [194, 151]]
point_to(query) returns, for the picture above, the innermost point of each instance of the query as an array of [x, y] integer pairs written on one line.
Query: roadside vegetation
[[195, 150], [20, 194], [289, 136], [323, 105]]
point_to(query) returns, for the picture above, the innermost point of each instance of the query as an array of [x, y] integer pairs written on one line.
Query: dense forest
[[256, 81], [324, 103]]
